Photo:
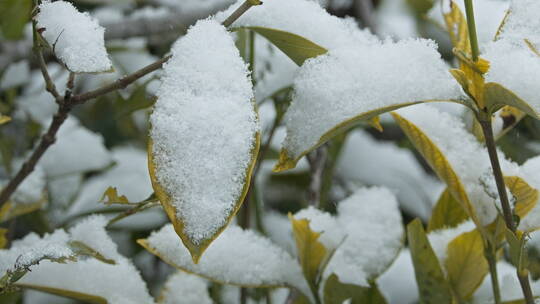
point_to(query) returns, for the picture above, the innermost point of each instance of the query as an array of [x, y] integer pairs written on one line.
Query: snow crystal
[[76, 150], [334, 88], [368, 161], [439, 239], [465, 154], [301, 17], [203, 128], [372, 222], [185, 288], [76, 38], [16, 74], [324, 223], [231, 258], [522, 22]]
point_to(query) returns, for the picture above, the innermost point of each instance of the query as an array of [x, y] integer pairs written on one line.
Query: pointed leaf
[[4, 119], [525, 195], [436, 159], [12, 210], [465, 264], [456, 25], [335, 92], [86, 298], [518, 253], [296, 47], [497, 96], [432, 284], [111, 196], [311, 252], [336, 292], [204, 136], [447, 213]]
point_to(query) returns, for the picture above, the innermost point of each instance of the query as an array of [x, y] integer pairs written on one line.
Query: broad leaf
[[518, 253], [336, 292], [497, 96], [337, 91], [205, 131], [465, 264], [447, 213], [296, 47], [432, 284]]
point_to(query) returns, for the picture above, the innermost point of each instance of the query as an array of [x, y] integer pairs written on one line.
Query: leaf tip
[[284, 162]]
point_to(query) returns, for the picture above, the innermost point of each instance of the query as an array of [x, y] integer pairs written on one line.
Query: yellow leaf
[[465, 264], [432, 285], [11, 210], [311, 252], [196, 250], [111, 197], [287, 161], [3, 238], [375, 122], [436, 159], [526, 196], [447, 213], [4, 119], [87, 298], [296, 47], [456, 25]]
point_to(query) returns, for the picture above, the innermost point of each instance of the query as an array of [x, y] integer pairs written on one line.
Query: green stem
[[485, 122], [492, 262], [472, 29]]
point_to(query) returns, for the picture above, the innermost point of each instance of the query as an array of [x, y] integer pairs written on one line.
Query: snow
[[76, 150], [76, 38], [15, 75], [372, 162], [231, 258], [203, 129], [31, 190], [348, 82], [195, 6], [301, 17], [398, 283], [331, 233], [373, 226], [467, 157], [278, 229], [184, 288], [439, 239], [118, 283], [522, 22]]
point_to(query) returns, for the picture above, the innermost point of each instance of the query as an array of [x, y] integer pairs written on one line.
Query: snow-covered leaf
[[76, 38], [185, 288], [354, 84], [230, 259], [205, 135], [465, 264], [447, 213], [90, 279], [432, 285], [298, 48]]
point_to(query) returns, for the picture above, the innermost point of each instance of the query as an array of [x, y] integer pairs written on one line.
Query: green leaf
[[447, 213], [4, 119], [12, 210], [14, 14], [432, 285], [497, 96], [296, 47], [518, 253], [311, 253], [436, 159], [80, 248], [3, 238], [465, 264], [86, 298], [336, 292]]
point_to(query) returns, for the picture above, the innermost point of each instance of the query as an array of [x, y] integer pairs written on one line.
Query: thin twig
[[240, 11]]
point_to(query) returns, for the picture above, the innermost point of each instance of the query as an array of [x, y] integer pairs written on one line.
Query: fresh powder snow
[[204, 128], [76, 38], [185, 288]]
